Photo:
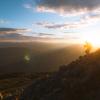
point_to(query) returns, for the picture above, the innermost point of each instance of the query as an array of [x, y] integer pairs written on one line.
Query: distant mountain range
[[79, 80]]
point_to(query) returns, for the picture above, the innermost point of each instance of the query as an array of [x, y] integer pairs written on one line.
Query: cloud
[[28, 6], [70, 25], [13, 30], [13, 34], [67, 6], [45, 34], [87, 10], [93, 17], [2, 21], [64, 35], [10, 36], [84, 21]]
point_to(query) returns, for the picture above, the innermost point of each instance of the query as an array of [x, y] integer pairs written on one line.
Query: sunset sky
[[71, 20]]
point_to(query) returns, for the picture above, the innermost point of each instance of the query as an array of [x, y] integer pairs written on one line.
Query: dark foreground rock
[[80, 80]]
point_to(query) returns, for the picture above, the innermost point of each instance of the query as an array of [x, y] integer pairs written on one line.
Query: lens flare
[[27, 58]]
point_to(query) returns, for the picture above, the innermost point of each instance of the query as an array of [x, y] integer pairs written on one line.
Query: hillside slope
[[80, 80]]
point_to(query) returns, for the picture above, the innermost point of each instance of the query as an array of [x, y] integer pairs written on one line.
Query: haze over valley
[[42, 57]]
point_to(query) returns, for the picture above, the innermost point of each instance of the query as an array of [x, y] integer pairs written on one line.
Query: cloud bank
[[67, 6], [9, 34]]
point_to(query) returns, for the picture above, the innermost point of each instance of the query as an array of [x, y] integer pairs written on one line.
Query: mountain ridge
[[80, 80]]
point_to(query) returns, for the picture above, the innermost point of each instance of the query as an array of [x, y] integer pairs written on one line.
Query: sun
[[94, 39]]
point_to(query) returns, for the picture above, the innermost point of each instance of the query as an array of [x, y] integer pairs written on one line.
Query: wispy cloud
[[13, 30], [92, 17], [28, 6], [13, 34], [2, 21], [85, 20], [61, 26], [58, 25], [63, 37]]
